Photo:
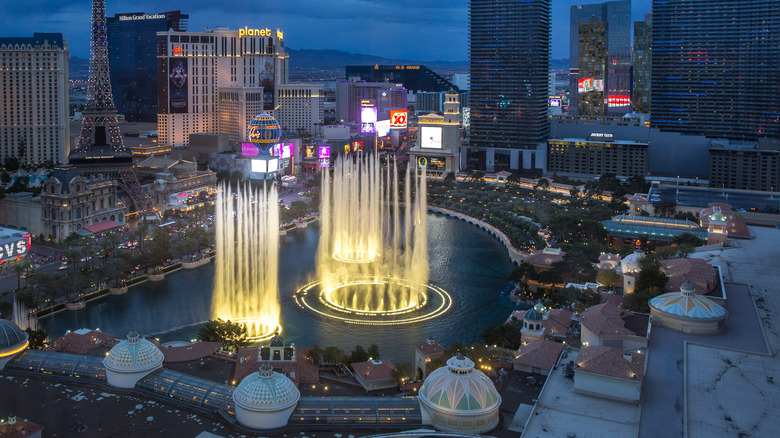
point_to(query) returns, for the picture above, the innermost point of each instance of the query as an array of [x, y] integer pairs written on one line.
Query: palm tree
[[20, 269]]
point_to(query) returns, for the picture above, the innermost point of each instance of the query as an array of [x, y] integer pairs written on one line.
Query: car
[[63, 267]]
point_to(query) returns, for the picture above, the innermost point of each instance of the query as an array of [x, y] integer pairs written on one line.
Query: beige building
[[375, 374], [608, 325], [174, 183], [537, 357], [424, 353], [687, 312], [70, 202], [301, 109], [438, 139], [609, 373]]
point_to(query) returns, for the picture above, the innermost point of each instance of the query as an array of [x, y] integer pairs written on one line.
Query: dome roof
[[266, 390], [687, 304], [276, 341], [133, 355], [459, 388], [533, 315], [11, 336], [718, 217], [634, 258]]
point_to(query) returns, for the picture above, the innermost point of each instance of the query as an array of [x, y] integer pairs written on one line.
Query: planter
[[196, 263], [117, 290], [156, 277], [76, 306]]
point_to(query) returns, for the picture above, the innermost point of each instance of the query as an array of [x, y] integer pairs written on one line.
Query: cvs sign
[[14, 249], [398, 118]]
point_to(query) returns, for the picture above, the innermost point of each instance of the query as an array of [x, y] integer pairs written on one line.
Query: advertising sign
[[430, 137], [398, 118], [585, 85], [432, 163], [15, 249], [382, 127], [249, 150], [618, 100], [554, 102], [325, 162], [310, 151], [324, 152], [267, 81], [368, 119], [283, 150], [178, 96], [259, 166]]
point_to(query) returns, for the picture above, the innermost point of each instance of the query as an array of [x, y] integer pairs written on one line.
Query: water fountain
[[246, 270], [372, 259]]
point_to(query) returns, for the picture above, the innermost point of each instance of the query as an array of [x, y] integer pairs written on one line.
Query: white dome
[[133, 355], [459, 388], [266, 390]]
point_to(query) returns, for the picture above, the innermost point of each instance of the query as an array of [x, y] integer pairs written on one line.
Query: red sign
[[177, 50], [618, 100], [398, 119]]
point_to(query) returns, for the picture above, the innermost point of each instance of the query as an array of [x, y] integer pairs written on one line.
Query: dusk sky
[[418, 30]]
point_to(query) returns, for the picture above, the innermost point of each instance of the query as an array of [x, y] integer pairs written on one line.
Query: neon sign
[[141, 17], [177, 50], [397, 119], [259, 32]]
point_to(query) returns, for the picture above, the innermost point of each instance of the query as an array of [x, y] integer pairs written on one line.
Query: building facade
[[751, 166], [301, 109], [509, 57], [351, 96], [438, 140], [34, 123], [600, 58], [643, 57], [714, 68], [593, 157], [216, 81], [412, 77], [132, 60], [70, 202]]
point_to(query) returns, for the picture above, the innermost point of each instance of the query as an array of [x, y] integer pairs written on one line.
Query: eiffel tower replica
[[100, 152]]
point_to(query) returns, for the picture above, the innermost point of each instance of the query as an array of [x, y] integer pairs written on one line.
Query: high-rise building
[[34, 122], [132, 60], [352, 95], [715, 68], [412, 77], [600, 58], [509, 57], [643, 56], [216, 81], [301, 109]]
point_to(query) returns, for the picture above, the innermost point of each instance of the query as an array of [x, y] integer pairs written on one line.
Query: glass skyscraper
[[600, 59], [715, 68], [509, 51], [640, 96], [132, 60]]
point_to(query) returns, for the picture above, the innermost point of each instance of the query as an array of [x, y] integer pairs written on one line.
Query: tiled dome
[[458, 387], [266, 390], [687, 304], [11, 336], [133, 355]]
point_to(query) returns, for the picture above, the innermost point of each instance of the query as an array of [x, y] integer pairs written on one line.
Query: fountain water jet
[[372, 258], [246, 285]]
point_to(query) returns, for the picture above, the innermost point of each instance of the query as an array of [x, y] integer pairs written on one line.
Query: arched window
[[101, 204], [78, 213], [53, 232], [53, 214], [113, 218]]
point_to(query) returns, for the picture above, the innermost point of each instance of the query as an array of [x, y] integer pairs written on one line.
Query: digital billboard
[[267, 81], [554, 102], [430, 137], [14, 247], [357, 146], [586, 85], [618, 100], [324, 162], [368, 119], [178, 96], [398, 118], [283, 150], [259, 166], [432, 163], [249, 150], [382, 127], [323, 152], [310, 151]]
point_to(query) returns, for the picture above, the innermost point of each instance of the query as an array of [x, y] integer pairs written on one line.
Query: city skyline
[[444, 24]]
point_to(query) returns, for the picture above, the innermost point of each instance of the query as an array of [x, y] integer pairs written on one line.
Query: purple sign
[[324, 152], [249, 150], [368, 119]]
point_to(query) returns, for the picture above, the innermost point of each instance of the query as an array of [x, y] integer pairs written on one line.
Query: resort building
[[625, 229], [13, 341], [375, 374], [424, 353], [537, 357], [608, 325], [265, 399], [609, 372], [131, 360]]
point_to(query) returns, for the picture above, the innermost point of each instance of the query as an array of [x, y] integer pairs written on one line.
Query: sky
[[417, 30]]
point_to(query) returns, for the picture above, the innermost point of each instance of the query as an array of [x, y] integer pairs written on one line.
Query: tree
[[315, 354], [232, 335], [666, 252], [20, 269], [542, 183], [450, 179], [333, 355], [359, 354], [36, 338], [687, 239], [373, 351], [5, 177], [11, 164], [403, 372], [504, 335], [520, 272], [608, 278]]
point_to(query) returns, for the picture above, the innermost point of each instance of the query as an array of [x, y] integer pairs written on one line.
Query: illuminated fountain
[[372, 260], [246, 286]]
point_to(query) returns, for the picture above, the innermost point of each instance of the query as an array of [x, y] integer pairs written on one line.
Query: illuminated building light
[[16, 350]]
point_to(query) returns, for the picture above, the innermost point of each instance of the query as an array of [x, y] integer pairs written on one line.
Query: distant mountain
[[307, 60], [78, 68]]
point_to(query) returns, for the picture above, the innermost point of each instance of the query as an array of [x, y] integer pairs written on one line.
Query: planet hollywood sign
[[246, 31]]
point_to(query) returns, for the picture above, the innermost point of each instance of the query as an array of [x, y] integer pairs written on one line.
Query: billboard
[[259, 166], [368, 119], [398, 118], [432, 163], [430, 137], [249, 150], [14, 247], [382, 127], [283, 150], [323, 152], [178, 96], [586, 85], [554, 101], [618, 100], [357, 146], [267, 81], [310, 151]]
